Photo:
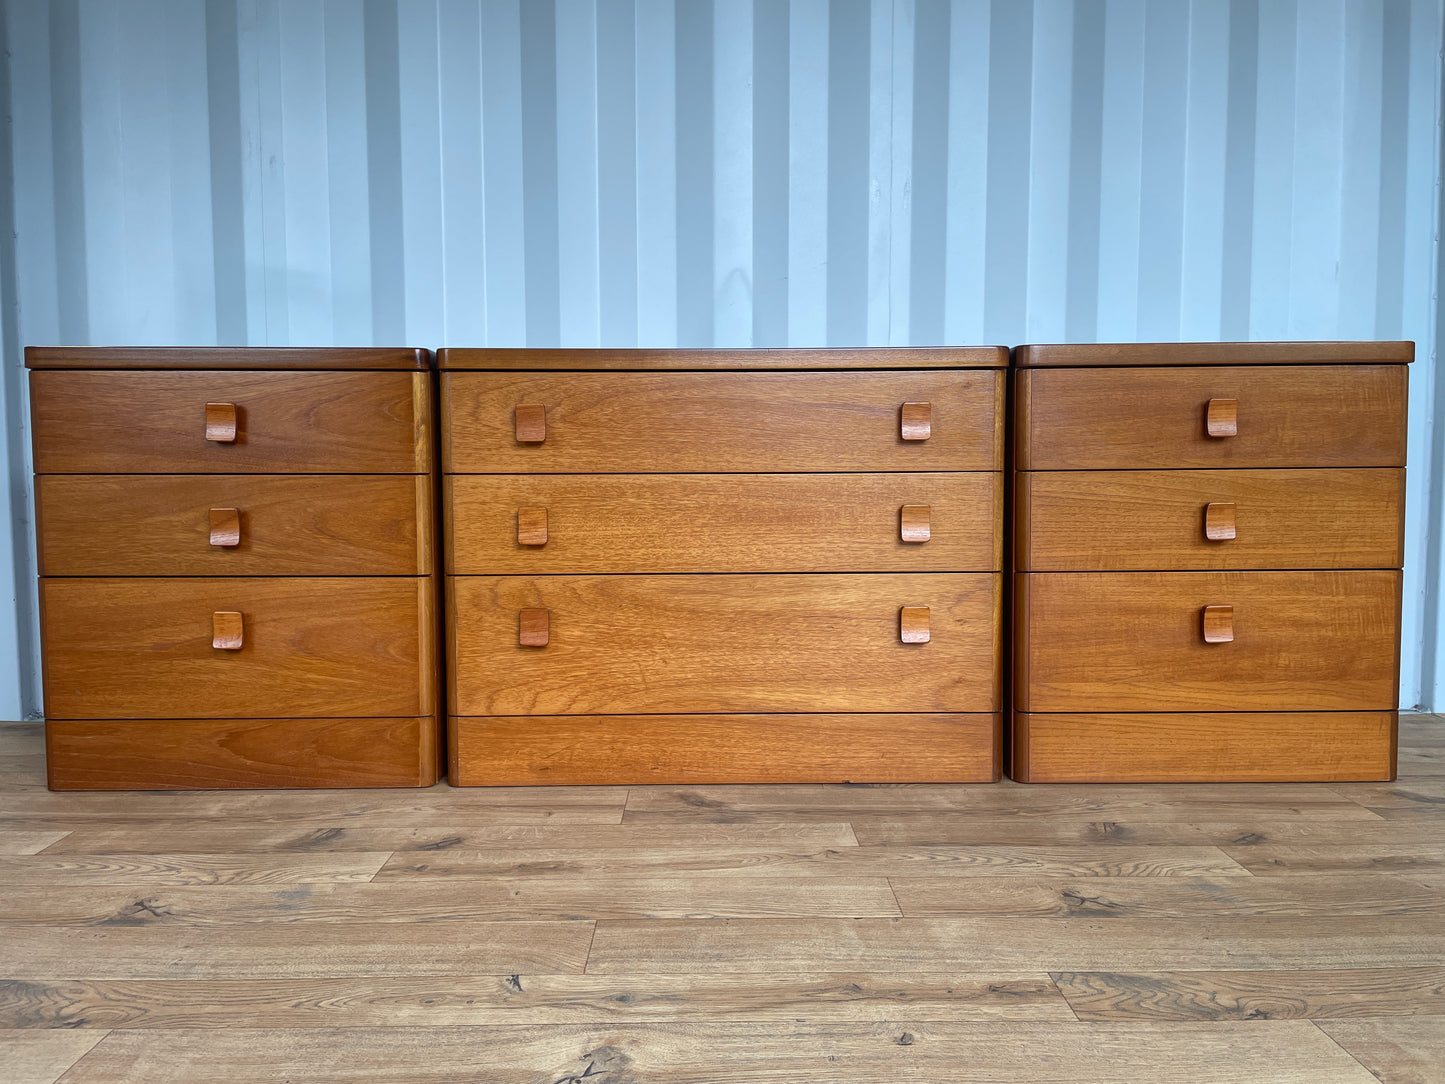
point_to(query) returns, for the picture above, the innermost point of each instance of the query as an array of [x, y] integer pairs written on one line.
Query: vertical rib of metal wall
[[729, 172]]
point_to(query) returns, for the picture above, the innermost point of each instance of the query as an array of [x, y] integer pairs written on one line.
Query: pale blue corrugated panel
[[729, 172]]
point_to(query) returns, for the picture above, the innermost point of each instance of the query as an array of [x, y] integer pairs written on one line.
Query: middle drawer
[[929, 521]]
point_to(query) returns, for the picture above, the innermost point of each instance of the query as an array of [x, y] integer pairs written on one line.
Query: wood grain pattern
[[290, 525], [141, 648], [187, 869], [1256, 995], [531, 358], [724, 643], [725, 523], [1120, 747], [722, 422], [303, 950], [13, 842], [1124, 898], [1121, 419], [1102, 521], [1062, 944], [290, 422], [1091, 355], [969, 1052], [278, 358], [1129, 642], [42, 1057], [626, 749], [1407, 1051], [182, 754]]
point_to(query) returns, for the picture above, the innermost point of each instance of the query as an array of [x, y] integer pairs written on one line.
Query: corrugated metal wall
[[725, 172]]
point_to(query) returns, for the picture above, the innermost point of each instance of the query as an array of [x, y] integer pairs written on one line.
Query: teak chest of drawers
[[237, 565], [1207, 554], [713, 566]]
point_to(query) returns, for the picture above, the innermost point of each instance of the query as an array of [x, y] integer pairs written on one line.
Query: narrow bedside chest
[[1207, 553], [237, 564]]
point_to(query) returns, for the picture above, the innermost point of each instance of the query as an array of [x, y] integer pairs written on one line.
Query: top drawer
[[1296, 416], [285, 422], [721, 422]]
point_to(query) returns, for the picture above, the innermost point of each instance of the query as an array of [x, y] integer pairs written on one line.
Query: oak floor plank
[[1186, 898], [42, 1057], [1415, 795], [305, 950], [1396, 1051], [1157, 802], [860, 861], [21, 739], [1273, 859], [735, 1053], [27, 842], [1017, 944], [1255, 995], [970, 829], [334, 837], [187, 869], [525, 999], [450, 900], [1383, 833]]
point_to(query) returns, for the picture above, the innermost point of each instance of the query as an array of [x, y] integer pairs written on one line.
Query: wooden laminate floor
[[1241, 933]]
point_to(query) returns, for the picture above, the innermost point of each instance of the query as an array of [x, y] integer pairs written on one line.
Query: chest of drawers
[[238, 577], [1207, 554], [713, 566]]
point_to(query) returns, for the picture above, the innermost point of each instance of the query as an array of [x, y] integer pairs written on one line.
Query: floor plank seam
[[896, 901], [1054, 982], [587, 959], [1316, 1025], [377, 872], [104, 1035]]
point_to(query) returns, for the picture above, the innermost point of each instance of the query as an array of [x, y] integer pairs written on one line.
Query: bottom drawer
[[631, 749], [190, 754], [1204, 747]]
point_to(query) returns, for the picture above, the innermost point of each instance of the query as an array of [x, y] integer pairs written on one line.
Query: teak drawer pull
[[1221, 418], [1219, 521], [531, 423], [915, 421], [226, 630], [531, 526], [221, 422], [225, 526], [1218, 624], [533, 627], [914, 522], [913, 625]]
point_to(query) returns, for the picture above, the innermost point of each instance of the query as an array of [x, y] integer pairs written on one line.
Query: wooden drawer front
[[725, 522], [1132, 641], [1204, 747], [183, 754], [725, 643], [143, 648], [1106, 520], [604, 750], [155, 422], [660, 422], [290, 525], [1299, 416]]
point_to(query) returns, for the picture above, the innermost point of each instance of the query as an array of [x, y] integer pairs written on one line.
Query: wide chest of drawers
[[1207, 554], [713, 566], [238, 577]]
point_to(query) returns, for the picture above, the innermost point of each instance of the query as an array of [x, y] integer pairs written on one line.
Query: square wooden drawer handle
[[915, 421], [913, 624], [1222, 418], [1219, 521], [531, 526], [1219, 624], [531, 422], [226, 630], [913, 522], [533, 627], [225, 526], [221, 422]]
